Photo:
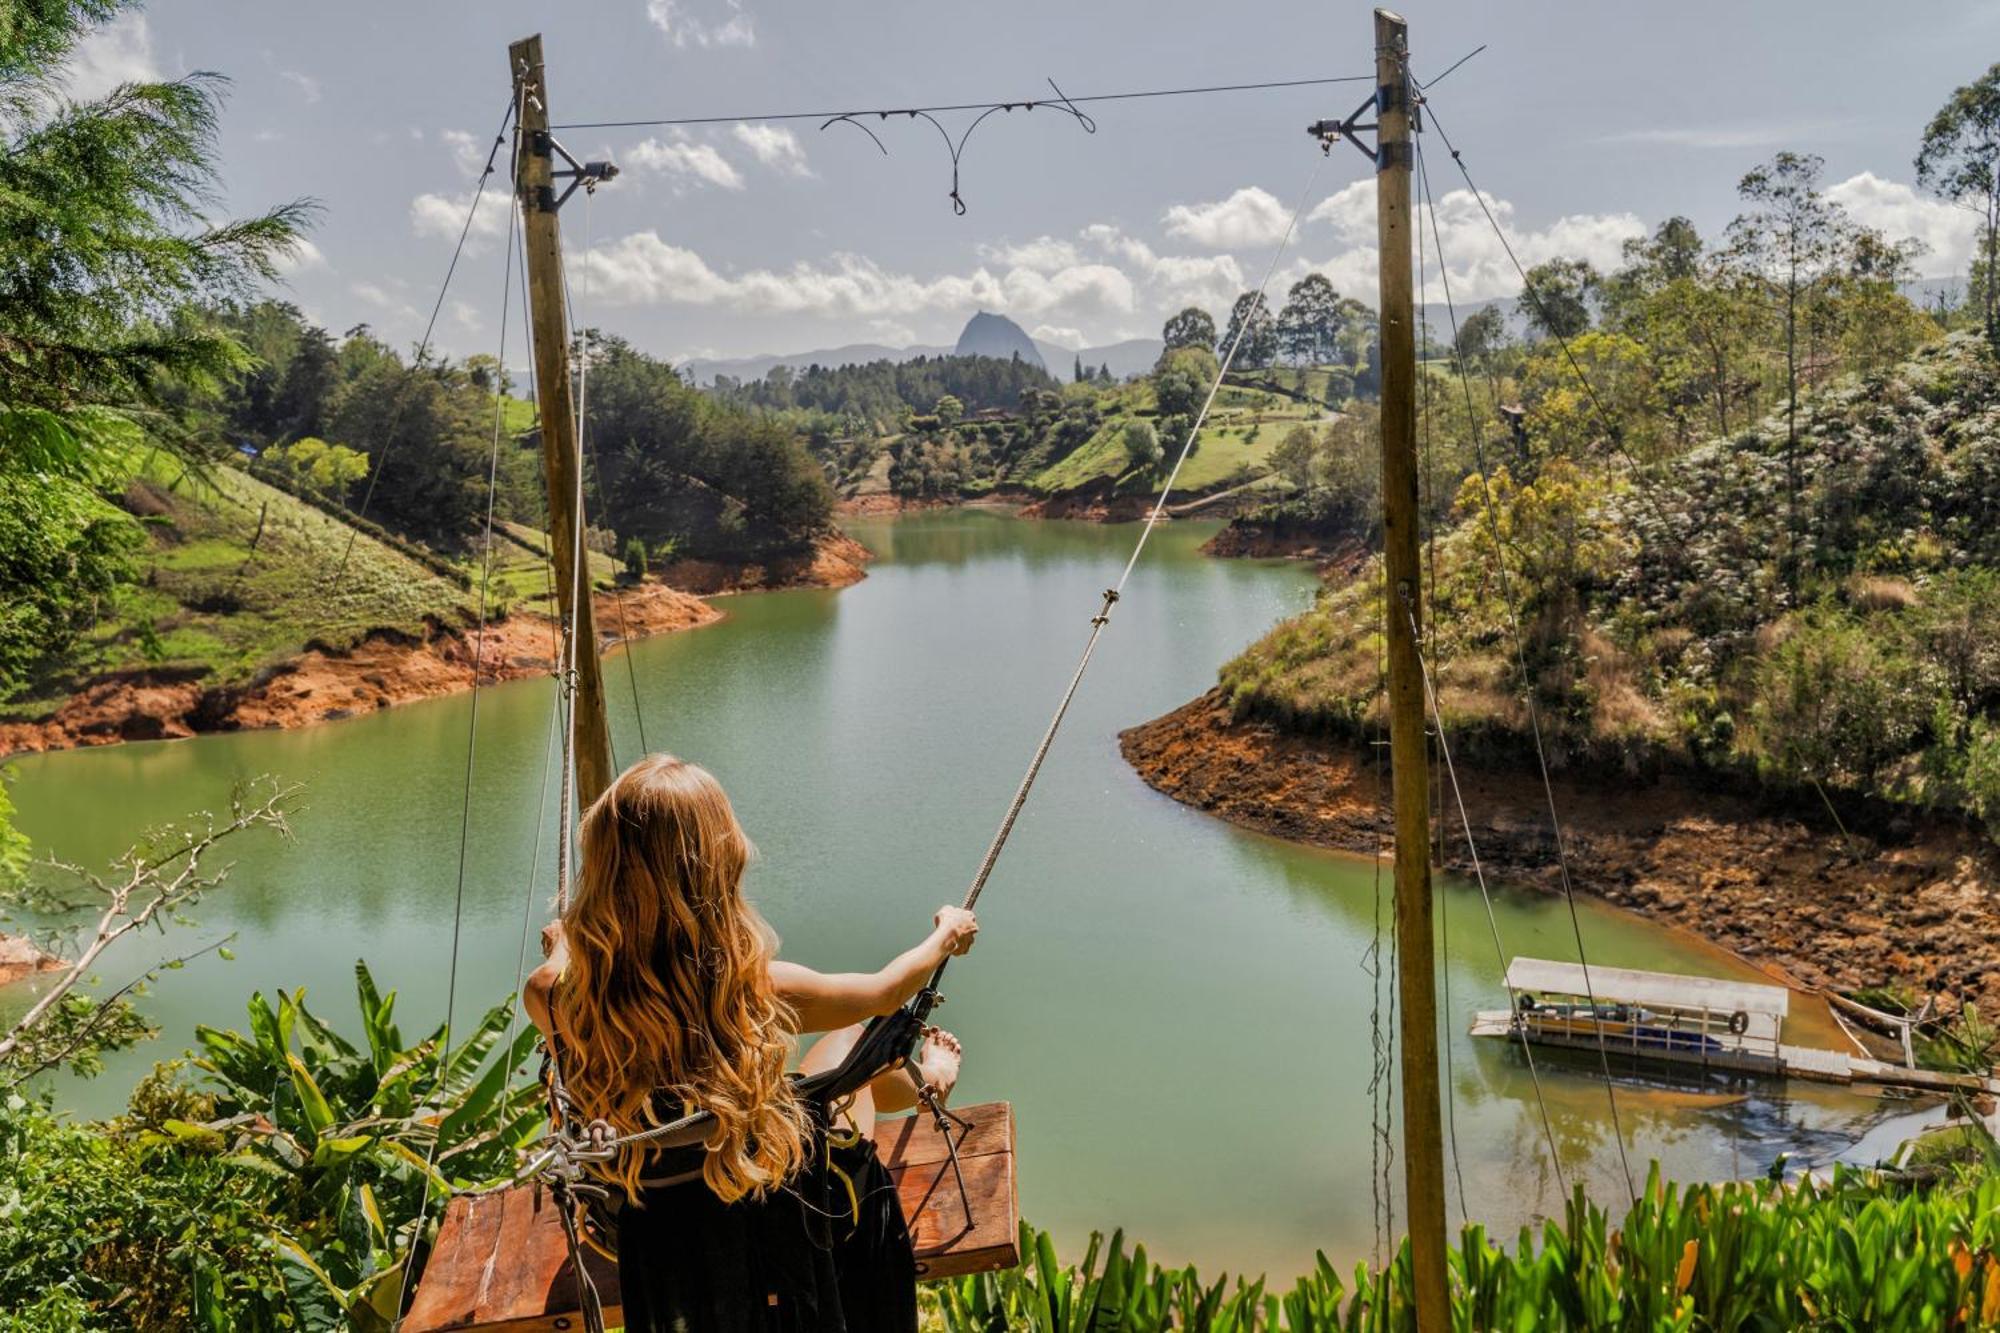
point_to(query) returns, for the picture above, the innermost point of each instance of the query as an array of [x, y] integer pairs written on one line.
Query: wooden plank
[[501, 1265]]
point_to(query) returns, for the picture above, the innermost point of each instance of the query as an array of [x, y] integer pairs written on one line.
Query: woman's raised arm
[[825, 1001]]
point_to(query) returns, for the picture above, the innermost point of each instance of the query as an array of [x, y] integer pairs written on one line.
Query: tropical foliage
[[1853, 1252], [287, 1181]]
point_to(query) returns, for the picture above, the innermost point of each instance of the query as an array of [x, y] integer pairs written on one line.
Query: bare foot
[[938, 1060]]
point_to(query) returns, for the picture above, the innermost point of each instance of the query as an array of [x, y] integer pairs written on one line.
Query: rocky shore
[[324, 685], [1910, 904]]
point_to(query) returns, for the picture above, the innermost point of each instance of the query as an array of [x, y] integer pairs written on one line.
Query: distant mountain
[[757, 367], [999, 337], [1134, 356], [984, 335]]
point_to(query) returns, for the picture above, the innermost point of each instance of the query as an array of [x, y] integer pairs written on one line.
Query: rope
[[424, 343], [1112, 594], [1023, 104], [1611, 432], [1485, 896], [589, 442], [1429, 524], [1520, 654], [471, 750]]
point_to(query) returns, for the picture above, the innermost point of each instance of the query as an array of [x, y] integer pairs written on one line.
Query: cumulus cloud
[[1949, 233], [468, 151], [443, 216], [645, 269], [120, 51], [1476, 261], [686, 159], [1058, 333], [1736, 137], [390, 302], [1249, 218], [301, 255], [679, 26], [307, 85], [774, 146], [1044, 254], [1170, 281]]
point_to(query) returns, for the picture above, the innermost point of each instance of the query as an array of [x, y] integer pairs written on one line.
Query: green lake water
[[1179, 1010]]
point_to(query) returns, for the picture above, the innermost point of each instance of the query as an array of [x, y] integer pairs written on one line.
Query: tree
[[1079, 375], [330, 469], [1959, 159], [1252, 332], [1295, 456], [1104, 372], [1192, 327], [1555, 301], [1182, 379], [1482, 334], [107, 243], [949, 410], [113, 256], [1309, 324], [1142, 446], [1791, 238]]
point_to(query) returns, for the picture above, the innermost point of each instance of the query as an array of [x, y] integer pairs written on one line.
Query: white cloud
[[774, 146], [1061, 334], [1044, 254], [383, 299], [120, 51], [1477, 262], [1949, 233], [891, 332], [466, 316], [307, 85], [644, 269], [443, 216], [1171, 281], [685, 158], [302, 255], [681, 28], [1715, 136], [1249, 218], [468, 152]]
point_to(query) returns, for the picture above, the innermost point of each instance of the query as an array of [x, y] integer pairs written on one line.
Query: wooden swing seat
[[501, 1264]]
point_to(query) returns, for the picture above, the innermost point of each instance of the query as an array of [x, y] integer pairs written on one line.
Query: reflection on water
[[1180, 1011]]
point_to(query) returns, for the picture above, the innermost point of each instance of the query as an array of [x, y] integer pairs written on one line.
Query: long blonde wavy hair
[[667, 995]]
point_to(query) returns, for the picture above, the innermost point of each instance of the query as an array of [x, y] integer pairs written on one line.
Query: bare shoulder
[[536, 991]]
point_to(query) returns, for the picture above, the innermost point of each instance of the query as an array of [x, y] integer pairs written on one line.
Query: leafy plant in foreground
[[349, 1135], [1859, 1251]]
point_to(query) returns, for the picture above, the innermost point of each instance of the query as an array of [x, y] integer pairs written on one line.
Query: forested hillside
[[1689, 538]]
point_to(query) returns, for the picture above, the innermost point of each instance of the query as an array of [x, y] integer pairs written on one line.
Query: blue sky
[[1584, 123]]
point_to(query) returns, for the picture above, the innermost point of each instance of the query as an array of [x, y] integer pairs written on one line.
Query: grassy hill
[[237, 574], [1234, 446], [1690, 613]]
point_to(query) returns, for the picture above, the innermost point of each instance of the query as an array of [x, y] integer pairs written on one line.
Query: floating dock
[[1699, 1022]]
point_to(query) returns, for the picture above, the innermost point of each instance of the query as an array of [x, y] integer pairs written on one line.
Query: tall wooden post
[[1423, 1135], [562, 467]]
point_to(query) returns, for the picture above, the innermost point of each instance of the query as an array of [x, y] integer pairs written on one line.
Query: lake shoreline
[[388, 668], [1912, 906]]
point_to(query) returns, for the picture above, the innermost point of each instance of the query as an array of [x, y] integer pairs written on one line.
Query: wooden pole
[[562, 468], [1423, 1134]]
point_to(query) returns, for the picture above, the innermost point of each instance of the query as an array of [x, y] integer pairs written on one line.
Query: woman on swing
[[662, 994]]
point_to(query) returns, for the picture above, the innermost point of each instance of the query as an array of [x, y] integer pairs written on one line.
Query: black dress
[[812, 1257]]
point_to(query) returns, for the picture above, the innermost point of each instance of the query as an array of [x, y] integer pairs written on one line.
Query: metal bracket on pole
[[1328, 132], [588, 175]]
